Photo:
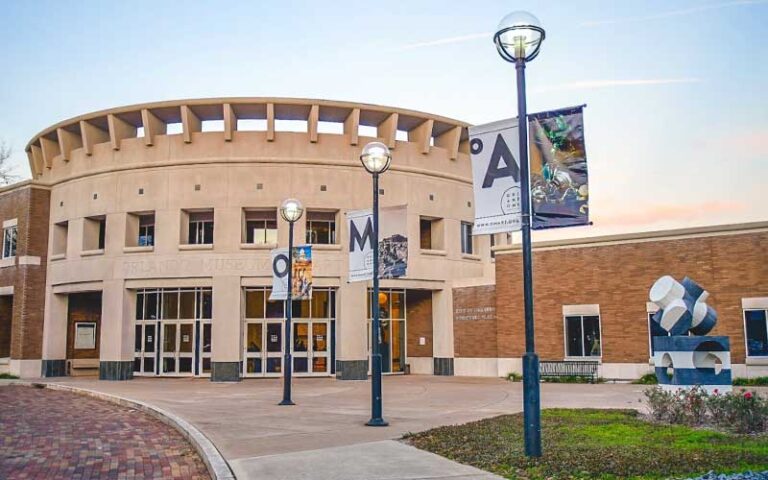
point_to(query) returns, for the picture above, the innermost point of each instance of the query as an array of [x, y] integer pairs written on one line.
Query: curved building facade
[[163, 215], [141, 247]]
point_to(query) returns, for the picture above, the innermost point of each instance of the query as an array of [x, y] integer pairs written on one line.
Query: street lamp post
[[291, 210], [517, 40], [376, 159]]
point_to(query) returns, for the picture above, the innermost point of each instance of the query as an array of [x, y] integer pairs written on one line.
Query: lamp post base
[[286, 402], [377, 422], [531, 405]]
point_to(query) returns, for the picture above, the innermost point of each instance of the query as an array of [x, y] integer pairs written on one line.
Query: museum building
[[141, 247]]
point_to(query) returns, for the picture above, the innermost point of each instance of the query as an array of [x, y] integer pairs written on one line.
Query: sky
[[676, 122]]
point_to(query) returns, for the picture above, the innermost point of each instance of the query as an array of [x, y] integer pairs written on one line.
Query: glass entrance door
[[173, 331], [264, 327], [177, 352], [392, 329], [310, 347], [274, 354]]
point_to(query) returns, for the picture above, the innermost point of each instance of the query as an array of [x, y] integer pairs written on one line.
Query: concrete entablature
[[151, 120]]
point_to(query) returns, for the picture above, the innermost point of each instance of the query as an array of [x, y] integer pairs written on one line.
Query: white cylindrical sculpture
[[665, 290]]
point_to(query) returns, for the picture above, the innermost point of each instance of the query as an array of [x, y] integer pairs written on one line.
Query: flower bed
[[596, 444], [740, 411]]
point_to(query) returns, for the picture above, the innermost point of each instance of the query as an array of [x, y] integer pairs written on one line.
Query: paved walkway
[[49, 434], [324, 436]]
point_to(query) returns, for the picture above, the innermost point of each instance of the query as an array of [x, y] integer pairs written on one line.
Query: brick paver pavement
[[51, 434]]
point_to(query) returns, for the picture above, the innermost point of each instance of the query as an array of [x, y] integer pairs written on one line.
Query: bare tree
[[6, 171]]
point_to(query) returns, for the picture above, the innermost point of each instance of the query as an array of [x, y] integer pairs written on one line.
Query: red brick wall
[[618, 278], [30, 206], [419, 317], [474, 322]]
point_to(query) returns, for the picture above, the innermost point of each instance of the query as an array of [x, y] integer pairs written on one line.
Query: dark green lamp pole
[[517, 40], [291, 210], [376, 159]]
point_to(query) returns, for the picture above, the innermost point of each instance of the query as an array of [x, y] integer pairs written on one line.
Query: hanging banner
[[279, 274], [558, 158], [393, 243], [301, 275], [495, 153]]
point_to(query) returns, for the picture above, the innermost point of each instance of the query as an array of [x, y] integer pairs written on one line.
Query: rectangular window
[[102, 233], [466, 238], [582, 336], [94, 233], [146, 230], [174, 303], [200, 228], [756, 329], [425, 233], [261, 227], [431, 233], [10, 235], [321, 228], [60, 234]]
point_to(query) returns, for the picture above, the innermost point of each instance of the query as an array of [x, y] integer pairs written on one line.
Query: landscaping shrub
[[8, 376], [750, 382], [738, 412], [647, 379], [516, 377]]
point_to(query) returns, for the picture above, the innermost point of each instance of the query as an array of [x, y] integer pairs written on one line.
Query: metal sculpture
[[687, 357]]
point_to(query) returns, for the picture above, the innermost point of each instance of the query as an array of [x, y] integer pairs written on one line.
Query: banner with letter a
[[393, 243], [559, 187], [495, 152], [301, 275]]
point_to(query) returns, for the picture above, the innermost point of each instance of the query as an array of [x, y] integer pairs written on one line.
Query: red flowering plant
[[740, 412]]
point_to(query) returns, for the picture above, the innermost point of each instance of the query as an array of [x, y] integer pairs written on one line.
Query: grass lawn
[[604, 444]]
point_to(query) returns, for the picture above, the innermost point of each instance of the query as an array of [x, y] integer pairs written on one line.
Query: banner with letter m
[[393, 243]]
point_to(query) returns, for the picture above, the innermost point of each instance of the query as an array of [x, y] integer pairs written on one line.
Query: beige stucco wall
[[107, 183]]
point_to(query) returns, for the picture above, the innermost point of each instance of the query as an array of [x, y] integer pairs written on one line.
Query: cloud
[[446, 41], [671, 13], [667, 212], [592, 84], [588, 24]]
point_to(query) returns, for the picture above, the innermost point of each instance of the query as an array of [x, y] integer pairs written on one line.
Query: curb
[[217, 466]]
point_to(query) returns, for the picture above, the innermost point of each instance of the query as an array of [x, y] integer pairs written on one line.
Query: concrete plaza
[[324, 436]]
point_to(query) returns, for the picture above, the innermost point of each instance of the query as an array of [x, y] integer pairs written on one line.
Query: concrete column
[[54, 334], [168, 231], [351, 331], [442, 331], [226, 329], [116, 339]]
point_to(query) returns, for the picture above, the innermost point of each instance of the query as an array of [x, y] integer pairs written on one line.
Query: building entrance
[[83, 326], [392, 313], [312, 340], [173, 332]]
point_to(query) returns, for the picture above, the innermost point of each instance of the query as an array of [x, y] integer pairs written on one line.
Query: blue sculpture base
[[683, 362]]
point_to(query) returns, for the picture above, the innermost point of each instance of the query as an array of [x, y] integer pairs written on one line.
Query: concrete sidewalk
[[324, 436]]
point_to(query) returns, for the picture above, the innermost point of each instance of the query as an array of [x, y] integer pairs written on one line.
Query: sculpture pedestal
[[683, 362]]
